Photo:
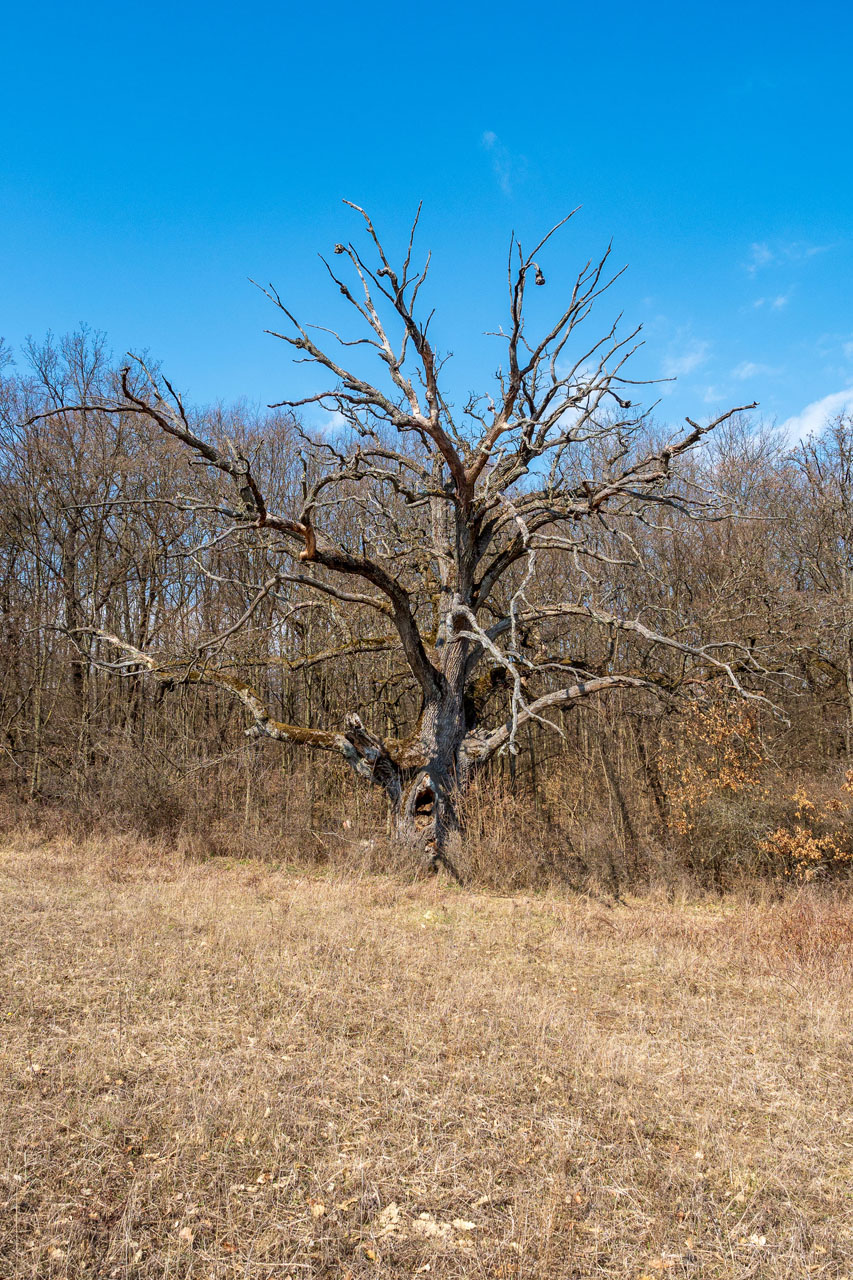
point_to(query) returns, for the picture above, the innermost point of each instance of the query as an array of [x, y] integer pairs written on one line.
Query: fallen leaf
[[426, 1225], [389, 1219], [461, 1224]]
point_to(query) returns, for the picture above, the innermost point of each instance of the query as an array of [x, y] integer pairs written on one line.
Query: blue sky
[[156, 156]]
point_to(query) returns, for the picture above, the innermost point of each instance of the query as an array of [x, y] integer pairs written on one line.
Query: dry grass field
[[232, 1071]]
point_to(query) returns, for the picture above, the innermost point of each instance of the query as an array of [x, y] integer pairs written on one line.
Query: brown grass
[[228, 1070]]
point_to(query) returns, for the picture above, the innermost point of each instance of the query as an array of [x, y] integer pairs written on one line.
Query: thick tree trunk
[[427, 815]]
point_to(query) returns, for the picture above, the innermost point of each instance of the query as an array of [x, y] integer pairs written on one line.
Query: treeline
[[94, 531]]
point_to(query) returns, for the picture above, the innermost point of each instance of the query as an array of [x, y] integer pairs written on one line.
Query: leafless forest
[[541, 635]]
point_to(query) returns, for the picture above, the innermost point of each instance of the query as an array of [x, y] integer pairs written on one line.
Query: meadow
[[225, 1069]]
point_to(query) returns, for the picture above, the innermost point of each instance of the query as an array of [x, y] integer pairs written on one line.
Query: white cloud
[[762, 254], [329, 422], [815, 415], [691, 357], [748, 369], [811, 250], [506, 168], [835, 349], [776, 304]]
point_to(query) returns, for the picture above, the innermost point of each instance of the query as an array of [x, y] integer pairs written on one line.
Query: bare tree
[[494, 549], [821, 539]]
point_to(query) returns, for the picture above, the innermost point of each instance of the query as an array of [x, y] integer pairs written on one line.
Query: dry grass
[[233, 1071]]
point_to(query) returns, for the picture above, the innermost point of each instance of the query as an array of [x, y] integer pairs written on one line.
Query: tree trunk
[[427, 814]]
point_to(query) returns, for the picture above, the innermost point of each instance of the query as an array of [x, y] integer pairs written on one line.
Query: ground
[[230, 1070]]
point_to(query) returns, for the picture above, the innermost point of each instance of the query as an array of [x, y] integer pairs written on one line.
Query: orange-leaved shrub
[[716, 792], [722, 757], [816, 839]]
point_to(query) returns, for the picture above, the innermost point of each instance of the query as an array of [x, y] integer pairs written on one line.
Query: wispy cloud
[[775, 304], [836, 351], [763, 253], [507, 168], [749, 369], [329, 423], [691, 356], [815, 415]]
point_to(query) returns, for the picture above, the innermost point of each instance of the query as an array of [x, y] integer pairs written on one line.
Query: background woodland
[[709, 790]]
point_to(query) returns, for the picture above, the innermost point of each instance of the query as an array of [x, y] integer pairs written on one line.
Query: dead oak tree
[[495, 547]]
